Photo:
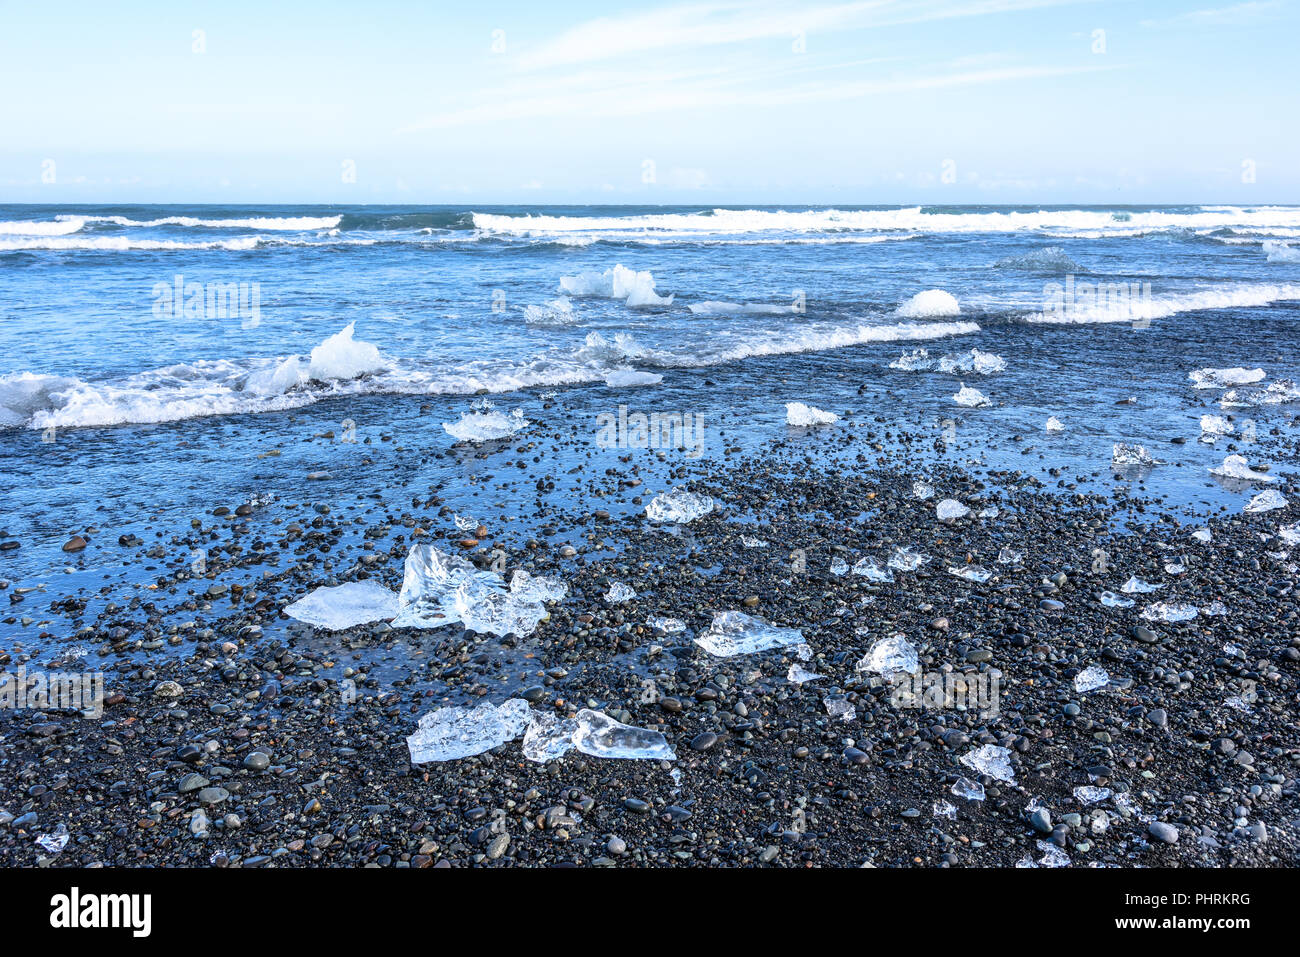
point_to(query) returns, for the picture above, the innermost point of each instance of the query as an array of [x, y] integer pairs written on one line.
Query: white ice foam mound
[[971, 398], [342, 357], [486, 426], [1054, 425], [1224, 378], [335, 607], [798, 414], [636, 288], [932, 303], [736, 633]]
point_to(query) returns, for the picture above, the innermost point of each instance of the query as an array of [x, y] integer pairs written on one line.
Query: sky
[[733, 102]]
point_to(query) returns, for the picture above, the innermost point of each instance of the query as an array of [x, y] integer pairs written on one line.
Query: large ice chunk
[[1266, 501], [601, 736], [971, 398], [1236, 467], [678, 506], [950, 510], [735, 633], [486, 426], [336, 607], [798, 414], [991, 760], [889, 656], [450, 733]]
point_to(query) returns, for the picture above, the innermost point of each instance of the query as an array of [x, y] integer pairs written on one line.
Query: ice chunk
[[56, 842], [1236, 467], [1090, 679], [971, 398], [982, 363], [619, 592], [1290, 533], [1266, 501], [798, 414], [540, 588], [1053, 856], [798, 675], [945, 809], [601, 736], [950, 509], [972, 573], [1125, 455], [441, 589], [968, 789], [1054, 425], [1169, 611], [1112, 600], [1136, 586], [922, 490], [840, 708], [889, 656], [342, 606], [867, 568], [735, 633], [669, 626], [839, 566], [989, 511], [906, 560], [991, 760], [750, 542], [1212, 426], [1215, 609], [929, 304], [678, 506], [913, 361], [621, 378], [482, 607], [1088, 794], [555, 312], [342, 357], [548, 737], [1223, 378], [1009, 556], [450, 733], [486, 426], [1203, 535], [465, 523], [636, 288]]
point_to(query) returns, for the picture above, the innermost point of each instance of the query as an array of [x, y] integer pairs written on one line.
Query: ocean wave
[[62, 227], [122, 244], [1128, 307], [267, 223]]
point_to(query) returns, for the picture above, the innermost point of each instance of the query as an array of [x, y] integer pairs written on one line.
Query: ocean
[[161, 361]]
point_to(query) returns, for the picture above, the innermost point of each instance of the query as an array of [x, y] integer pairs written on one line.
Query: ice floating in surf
[[678, 506], [930, 303], [798, 414], [981, 363], [1212, 426], [735, 633], [622, 378], [1054, 425], [486, 426], [343, 606], [1236, 467], [1124, 455], [971, 398], [636, 288], [1224, 378]]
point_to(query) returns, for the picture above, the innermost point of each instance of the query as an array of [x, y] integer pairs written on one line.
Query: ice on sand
[[335, 607], [868, 569], [1112, 600], [892, 655], [56, 842], [538, 588], [950, 509], [1124, 455], [548, 737], [972, 573], [450, 733], [1266, 501], [1089, 794], [968, 789], [1290, 534], [991, 760], [840, 708], [601, 736], [798, 675], [735, 633], [1053, 856], [922, 490], [1169, 611], [1090, 679], [1135, 586], [906, 560], [1236, 467], [669, 626], [971, 398], [839, 566], [1009, 556], [798, 414], [678, 506], [1203, 535], [619, 592], [486, 426]]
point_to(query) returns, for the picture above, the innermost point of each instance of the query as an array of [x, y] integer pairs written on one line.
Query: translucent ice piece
[[1136, 586], [982, 363], [1203, 535], [991, 760], [798, 675], [1212, 426], [669, 626], [1054, 425], [972, 573], [750, 542], [1009, 556], [867, 568], [678, 506], [537, 588], [1090, 679], [971, 398], [840, 708], [945, 809], [1169, 611], [968, 789], [735, 633], [342, 606], [486, 426], [913, 361], [839, 566], [892, 655], [56, 842], [1223, 378], [465, 523], [450, 733], [487, 610], [1112, 600], [601, 736], [1290, 534], [798, 414], [1124, 455], [1090, 794], [619, 592], [548, 737], [1053, 856], [1236, 467], [950, 509], [1266, 501], [922, 490], [906, 560]]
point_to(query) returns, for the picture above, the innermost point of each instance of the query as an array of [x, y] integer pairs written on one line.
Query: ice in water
[[991, 760], [450, 733], [1266, 501], [800, 415], [735, 633], [971, 398], [335, 607], [1236, 467], [950, 509], [601, 736], [486, 426], [678, 506], [1090, 679], [892, 655], [1124, 455], [1054, 425]]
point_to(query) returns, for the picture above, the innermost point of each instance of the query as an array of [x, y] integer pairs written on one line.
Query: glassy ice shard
[[450, 733], [968, 789], [1112, 600], [1236, 467], [678, 506], [991, 760], [548, 737], [601, 736], [1091, 794], [1136, 586], [342, 606], [888, 656], [735, 633], [868, 569], [1090, 679], [972, 573], [950, 509], [1169, 611]]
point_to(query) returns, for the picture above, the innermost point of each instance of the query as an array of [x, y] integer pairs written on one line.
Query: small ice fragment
[[982, 363], [342, 606], [1213, 426], [945, 810], [868, 569], [1222, 378], [1236, 467], [602, 737], [798, 674], [973, 573], [892, 655], [735, 633], [971, 398], [623, 378], [1053, 856], [450, 733], [1089, 794], [1136, 585], [678, 506], [619, 592], [968, 789], [1026, 862], [1036, 803], [1090, 679], [990, 511], [1240, 702], [1009, 556], [529, 588], [669, 626], [803, 651], [912, 361], [991, 760], [798, 414], [840, 708], [750, 542], [56, 842], [1266, 501], [548, 737], [1203, 535], [906, 560], [1175, 568], [486, 426], [950, 509], [1054, 425], [1124, 455], [465, 523], [1112, 600], [1169, 611], [1215, 609], [922, 490], [1290, 534], [839, 566]]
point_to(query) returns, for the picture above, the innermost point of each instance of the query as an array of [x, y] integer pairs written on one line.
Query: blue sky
[[883, 101]]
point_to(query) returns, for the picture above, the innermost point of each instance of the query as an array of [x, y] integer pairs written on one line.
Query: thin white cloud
[[1222, 16]]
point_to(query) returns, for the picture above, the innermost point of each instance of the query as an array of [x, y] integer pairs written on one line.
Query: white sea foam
[[1227, 296], [122, 243], [62, 227], [1279, 252], [288, 223], [715, 308]]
